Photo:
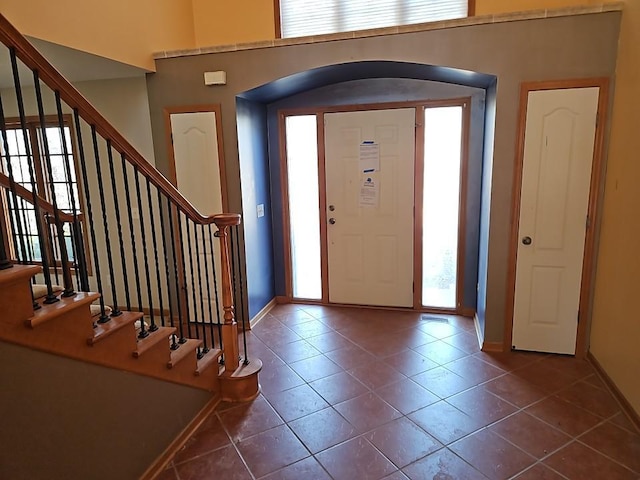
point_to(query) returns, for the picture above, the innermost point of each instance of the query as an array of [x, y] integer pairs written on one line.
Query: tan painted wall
[[131, 32], [485, 7], [221, 23], [615, 331], [127, 31]]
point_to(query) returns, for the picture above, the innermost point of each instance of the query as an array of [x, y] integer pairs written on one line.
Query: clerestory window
[[300, 18]]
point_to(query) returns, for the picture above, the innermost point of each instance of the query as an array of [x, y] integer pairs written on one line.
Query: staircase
[[102, 259], [67, 328]]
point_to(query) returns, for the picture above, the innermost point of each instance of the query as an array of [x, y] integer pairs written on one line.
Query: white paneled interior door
[[197, 166], [556, 177]]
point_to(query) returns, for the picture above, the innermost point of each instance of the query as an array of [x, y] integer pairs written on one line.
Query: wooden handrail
[[28, 54], [27, 195]]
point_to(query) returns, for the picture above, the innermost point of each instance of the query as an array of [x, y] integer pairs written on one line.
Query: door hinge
[[172, 139], [588, 223], [578, 319], [597, 120]]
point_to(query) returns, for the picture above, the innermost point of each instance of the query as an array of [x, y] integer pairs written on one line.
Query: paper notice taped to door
[[369, 157], [369, 192]]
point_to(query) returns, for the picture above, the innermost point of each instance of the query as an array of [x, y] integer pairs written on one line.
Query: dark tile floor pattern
[[357, 394]]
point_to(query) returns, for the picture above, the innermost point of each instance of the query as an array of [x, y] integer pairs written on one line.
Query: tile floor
[[370, 394]]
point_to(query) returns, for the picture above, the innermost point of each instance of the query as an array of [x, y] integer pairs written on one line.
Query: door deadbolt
[[332, 208], [332, 221]]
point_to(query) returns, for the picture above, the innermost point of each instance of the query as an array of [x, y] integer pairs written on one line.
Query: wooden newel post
[[4, 248], [229, 327]]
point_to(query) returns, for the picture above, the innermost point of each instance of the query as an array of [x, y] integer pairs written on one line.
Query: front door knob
[[332, 221], [526, 241]]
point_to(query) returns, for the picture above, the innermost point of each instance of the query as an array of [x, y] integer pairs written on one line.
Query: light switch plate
[[260, 210]]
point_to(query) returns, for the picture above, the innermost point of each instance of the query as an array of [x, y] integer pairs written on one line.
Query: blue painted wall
[[485, 203], [254, 178]]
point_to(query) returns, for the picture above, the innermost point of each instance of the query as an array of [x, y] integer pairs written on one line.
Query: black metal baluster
[[206, 276], [174, 249], [16, 237], [70, 193], [143, 330], [115, 310], [21, 214], [53, 254], [215, 289], [123, 258], [22, 210], [184, 279], [50, 298], [12, 188], [174, 344], [193, 285], [80, 256], [202, 319], [26, 224], [62, 246], [143, 237], [4, 254], [87, 195], [152, 221], [235, 264]]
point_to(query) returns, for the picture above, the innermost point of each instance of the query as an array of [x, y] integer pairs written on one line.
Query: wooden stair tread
[[18, 273], [189, 347], [103, 330], [211, 357], [243, 370], [53, 310], [155, 337]]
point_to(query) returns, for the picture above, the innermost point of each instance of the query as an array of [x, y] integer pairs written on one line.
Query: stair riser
[[239, 390], [242, 384], [188, 364], [16, 302], [158, 353], [68, 335], [120, 343]]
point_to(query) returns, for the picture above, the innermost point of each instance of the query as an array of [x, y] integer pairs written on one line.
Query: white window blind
[[300, 18]]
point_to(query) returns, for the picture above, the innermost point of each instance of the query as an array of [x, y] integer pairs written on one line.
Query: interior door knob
[[332, 221], [526, 240]]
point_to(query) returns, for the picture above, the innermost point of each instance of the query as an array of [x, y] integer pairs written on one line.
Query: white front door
[[556, 177], [369, 164]]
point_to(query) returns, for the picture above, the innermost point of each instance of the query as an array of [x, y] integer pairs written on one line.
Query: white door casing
[[556, 177], [370, 245], [197, 167]]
